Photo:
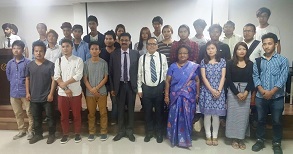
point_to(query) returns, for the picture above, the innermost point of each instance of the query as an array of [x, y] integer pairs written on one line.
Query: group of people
[[222, 75]]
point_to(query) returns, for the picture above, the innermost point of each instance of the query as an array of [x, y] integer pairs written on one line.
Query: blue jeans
[[276, 107]]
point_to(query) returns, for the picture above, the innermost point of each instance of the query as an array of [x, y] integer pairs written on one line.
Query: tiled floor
[[124, 146]]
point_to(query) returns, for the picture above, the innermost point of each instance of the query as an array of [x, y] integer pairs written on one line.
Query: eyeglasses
[[248, 31], [152, 44], [124, 40]]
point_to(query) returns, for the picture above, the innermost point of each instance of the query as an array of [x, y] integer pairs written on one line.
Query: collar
[[21, 60], [155, 54], [188, 40], [233, 35], [122, 51], [275, 55], [69, 58], [55, 47]]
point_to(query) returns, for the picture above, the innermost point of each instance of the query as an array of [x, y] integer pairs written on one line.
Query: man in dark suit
[[123, 68]]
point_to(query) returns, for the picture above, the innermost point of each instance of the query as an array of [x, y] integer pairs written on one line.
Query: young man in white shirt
[[9, 38], [152, 69], [54, 50], [157, 24], [68, 72]]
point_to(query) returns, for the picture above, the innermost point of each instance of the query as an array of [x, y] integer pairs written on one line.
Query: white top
[[52, 54], [4, 41], [261, 31], [201, 42], [232, 41], [159, 38], [70, 68], [257, 52], [147, 72], [94, 39]]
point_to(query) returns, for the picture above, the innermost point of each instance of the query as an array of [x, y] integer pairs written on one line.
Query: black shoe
[[51, 139], [77, 138], [118, 136], [64, 139], [159, 138], [277, 148], [131, 137], [258, 145], [35, 139], [148, 137]]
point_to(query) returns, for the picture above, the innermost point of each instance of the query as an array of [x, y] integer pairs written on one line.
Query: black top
[[224, 52], [105, 55], [237, 74]]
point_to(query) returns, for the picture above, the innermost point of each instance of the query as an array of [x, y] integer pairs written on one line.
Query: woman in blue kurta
[[182, 85]]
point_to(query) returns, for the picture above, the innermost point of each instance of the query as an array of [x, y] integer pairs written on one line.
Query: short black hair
[[77, 27], [184, 26], [270, 35], [158, 19], [207, 58], [250, 25], [4, 26], [229, 22], [125, 34], [18, 43], [39, 44], [119, 26], [14, 28], [152, 38], [43, 24], [112, 33], [53, 32], [180, 47], [92, 18], [94, 43], [263, 10], [67, 41], [215, 26], [200, 22]]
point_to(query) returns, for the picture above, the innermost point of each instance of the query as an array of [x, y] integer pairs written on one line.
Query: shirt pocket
[[275, 70]]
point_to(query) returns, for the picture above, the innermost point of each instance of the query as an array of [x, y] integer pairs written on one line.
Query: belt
[[125, 82]]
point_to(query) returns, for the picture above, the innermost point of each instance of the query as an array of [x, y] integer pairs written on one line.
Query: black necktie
[[125, 76], [8, 42]]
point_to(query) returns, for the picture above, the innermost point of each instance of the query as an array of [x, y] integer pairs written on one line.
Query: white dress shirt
[[52, 54], [4, 40], [232, 41], [70, 68], [147, 72]]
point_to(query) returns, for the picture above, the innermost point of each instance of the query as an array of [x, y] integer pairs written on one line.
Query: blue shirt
[[15, 73], [82, 51], [274, 73]]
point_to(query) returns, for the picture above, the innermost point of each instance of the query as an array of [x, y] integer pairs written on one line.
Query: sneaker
[[35, 139], [77, 138], [64, 139], [113, 122], [19, 135], [258, 145], [45, 120], [30, 135], [91, 137], [277, 148], [103, 137], [51, 139]]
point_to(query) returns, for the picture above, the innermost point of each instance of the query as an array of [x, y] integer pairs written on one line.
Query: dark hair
[[119, 26], [94, 43], [67, 41], [53, 32], [4, 26], [66, 25], [270, 35], [263, 10], [235, 57], [14, 28], [215, 26], [180, 47], [19, 43], [112, 33], [92, 18], [43, 24], [184, 26], [140, 43], [200, 22], [167, 26], [250, 25], [125, 34], [158, 19], [229, 22], [152, 38], [207, 57], [77, 27], [39, 44]]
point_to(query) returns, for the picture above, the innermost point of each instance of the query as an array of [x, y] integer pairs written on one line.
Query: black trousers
[[37, 109], [125, 96]]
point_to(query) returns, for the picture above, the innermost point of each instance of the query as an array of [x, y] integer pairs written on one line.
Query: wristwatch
[[66, 88]]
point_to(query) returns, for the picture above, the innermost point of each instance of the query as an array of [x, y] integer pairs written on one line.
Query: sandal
[[242, 145], [215, 142], [209, 141], [235, 144]]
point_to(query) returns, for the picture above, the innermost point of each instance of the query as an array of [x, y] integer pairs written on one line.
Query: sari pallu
[[182, 103]]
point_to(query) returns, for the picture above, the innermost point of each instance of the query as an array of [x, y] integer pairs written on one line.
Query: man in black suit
[[123, 68]]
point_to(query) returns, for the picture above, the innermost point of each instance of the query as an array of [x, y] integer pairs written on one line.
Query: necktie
[[125, 76], [153, 70], [8, 42]]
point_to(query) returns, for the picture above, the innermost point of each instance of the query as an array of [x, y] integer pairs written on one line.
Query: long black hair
[[235, 58]]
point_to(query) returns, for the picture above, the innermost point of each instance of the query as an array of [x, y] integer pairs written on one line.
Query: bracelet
[[65, 88]]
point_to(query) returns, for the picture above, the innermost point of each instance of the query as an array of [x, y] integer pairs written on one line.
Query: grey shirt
[[40, 80], [95, 71]]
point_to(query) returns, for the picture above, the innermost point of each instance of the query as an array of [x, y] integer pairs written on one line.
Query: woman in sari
[[182, 85]]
